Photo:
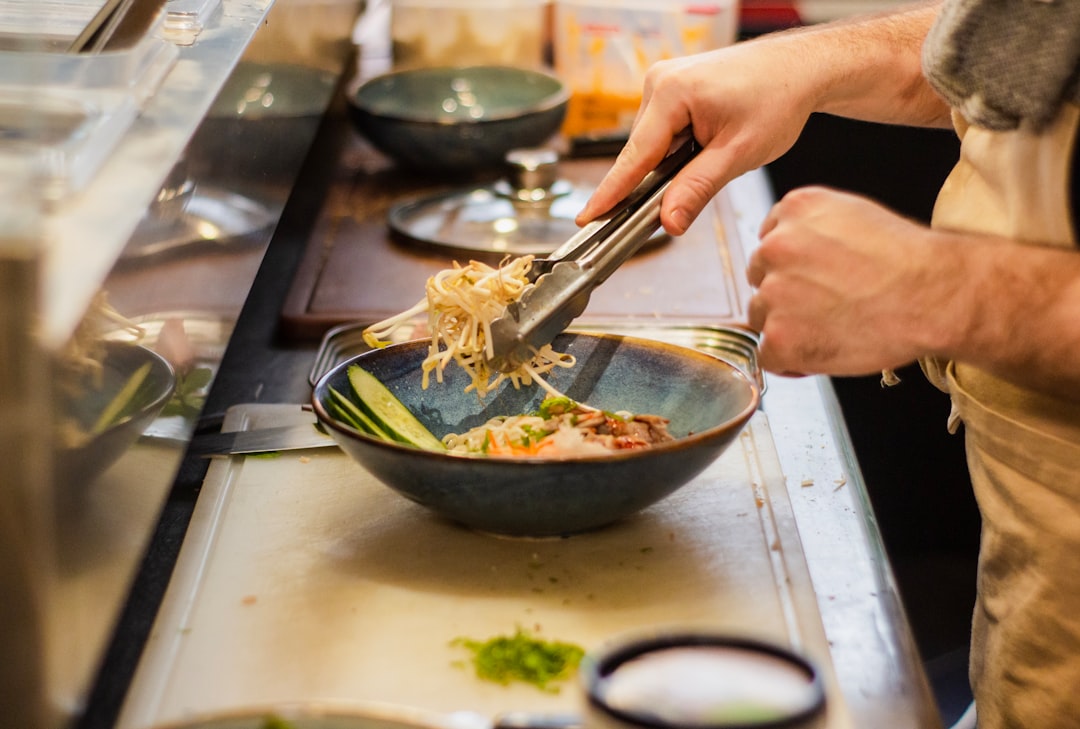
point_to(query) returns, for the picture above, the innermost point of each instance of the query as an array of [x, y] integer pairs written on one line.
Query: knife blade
[[259, 440]]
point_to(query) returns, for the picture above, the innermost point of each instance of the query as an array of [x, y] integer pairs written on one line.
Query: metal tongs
[[563, 282]]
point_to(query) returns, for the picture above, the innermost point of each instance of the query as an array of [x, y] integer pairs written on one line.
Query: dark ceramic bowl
[[260, 126], [707, 400], [458, 118], [88, 459]]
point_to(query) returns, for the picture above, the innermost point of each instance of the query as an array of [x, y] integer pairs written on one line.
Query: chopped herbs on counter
[[521, 657]]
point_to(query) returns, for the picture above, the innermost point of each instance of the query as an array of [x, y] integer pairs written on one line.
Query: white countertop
[[212, 647]]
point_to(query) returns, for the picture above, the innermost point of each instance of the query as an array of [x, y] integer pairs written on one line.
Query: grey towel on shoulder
[[1000, 62]]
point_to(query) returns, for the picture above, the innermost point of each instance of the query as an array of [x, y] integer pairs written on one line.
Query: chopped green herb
[[274, 722], [553, 406], [521, 657], [534, 435]]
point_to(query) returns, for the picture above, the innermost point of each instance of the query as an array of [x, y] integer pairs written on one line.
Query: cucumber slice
[[118, 406], [347, 411], [389, 413], [337, 412]]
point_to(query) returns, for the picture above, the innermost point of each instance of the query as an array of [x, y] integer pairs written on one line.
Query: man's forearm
[[1017, 313], [870, 67]]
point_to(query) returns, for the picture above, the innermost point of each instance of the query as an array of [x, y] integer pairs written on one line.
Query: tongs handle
[[564, 281], [630, 222]]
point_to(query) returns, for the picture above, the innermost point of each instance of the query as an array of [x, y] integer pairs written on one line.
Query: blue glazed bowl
[[459, 118], [707, 400]]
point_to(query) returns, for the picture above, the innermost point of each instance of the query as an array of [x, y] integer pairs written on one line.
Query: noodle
[[461, 303], [560, 428]]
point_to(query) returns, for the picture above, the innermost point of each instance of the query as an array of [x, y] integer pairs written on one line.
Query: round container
[[458, 118], [701, 681]]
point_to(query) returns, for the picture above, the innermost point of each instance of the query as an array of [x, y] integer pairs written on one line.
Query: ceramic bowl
[[261, 125], [85, 460], [458, 118], [707, 400]]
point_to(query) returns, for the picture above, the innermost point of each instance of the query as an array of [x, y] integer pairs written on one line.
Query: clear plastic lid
[[187, 18], [63, 113]]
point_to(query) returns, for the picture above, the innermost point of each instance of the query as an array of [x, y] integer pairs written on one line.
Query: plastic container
[[468, 32], [135, 71], [603, 48], [65, 112], [186, 19]]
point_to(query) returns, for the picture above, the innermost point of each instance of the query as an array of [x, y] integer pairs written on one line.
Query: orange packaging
[[603, 48], [590, 111]]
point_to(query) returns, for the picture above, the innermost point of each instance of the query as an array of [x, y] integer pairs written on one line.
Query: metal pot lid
[[530, 211]]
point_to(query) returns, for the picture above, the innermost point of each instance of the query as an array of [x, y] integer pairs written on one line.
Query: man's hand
[[845, 286], [737, 112]]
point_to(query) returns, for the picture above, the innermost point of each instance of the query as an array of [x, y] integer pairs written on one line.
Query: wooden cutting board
[[304, 579], [354, 270]]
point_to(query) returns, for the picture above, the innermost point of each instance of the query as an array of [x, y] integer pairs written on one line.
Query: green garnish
[[534, 435], [553, 406], [521, 657]]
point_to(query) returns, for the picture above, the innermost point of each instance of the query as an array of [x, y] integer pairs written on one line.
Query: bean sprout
[[460, 303]]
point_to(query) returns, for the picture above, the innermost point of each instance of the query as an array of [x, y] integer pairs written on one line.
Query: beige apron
[[1023, 450]]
